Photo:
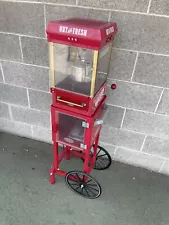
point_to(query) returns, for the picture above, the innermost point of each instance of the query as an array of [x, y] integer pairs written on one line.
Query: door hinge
[[85, 124], [83, 146]]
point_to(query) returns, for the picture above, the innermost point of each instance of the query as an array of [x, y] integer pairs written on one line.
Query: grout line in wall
[[14, 85], [123, 118], [114, 152], [137, 132], [149, 5], [142, 52], [32, 133], [24, 123], [44, 11], [3, 77], [88, 7], [159, 101], [134, 68], [122, 49], [47, 92], [28, 98], [112, 10], [46, 129], [23, 1], [131, 131], [25, 107], [144, 153], [37, 2], [22, 35], [109, 18], [138, 110], [141, 149], [10, 112], [137, 83], [124, 129], [20, 44], [137, 151], [162, 166], [77, 2], [26, 64]]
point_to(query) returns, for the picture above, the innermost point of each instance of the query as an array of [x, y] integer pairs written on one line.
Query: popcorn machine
[[80, 52]]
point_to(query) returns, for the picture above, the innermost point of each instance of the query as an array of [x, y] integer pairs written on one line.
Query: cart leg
[[55, 163], [55, 155], [52, 175], [95, 148], [67, 153], [90, 161]]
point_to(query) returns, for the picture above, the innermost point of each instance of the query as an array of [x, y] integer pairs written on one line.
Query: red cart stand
[[80, 52]]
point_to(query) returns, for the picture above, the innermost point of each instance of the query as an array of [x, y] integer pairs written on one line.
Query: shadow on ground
[[131, 196]]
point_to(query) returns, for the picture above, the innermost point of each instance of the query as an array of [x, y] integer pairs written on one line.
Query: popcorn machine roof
[[82, 33]]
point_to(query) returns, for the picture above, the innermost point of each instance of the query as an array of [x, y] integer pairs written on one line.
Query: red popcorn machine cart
[[80, 52]]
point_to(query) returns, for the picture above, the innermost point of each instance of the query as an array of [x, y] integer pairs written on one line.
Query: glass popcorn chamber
[[79, 52]]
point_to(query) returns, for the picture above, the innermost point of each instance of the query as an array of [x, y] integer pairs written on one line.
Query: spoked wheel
[[83, 184], [103, 158]]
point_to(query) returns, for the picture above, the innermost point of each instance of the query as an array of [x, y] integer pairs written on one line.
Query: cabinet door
[[70, 130]]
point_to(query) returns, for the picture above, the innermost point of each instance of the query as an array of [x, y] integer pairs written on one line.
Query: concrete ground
[[131, 196]]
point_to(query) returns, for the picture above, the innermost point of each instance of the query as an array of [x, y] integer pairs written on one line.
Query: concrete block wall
[[136, 129]]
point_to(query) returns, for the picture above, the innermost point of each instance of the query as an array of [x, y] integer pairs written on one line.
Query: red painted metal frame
[[89, 160], [70, 149], [84, 33], [89, 34]]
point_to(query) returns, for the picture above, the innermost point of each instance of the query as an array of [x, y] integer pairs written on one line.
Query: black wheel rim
[[83, 184], [103, 159]]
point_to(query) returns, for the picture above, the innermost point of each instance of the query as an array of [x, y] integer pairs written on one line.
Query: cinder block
[[138, 159], [35, 51], [113, 116], [129, 5], [152, 69], [41, 134], [122, 64], [163, 107], [149, 123], [160, 7], [165, 168], [64, 2], [40, 100], [13, 95], [62, 12], [31, 116], [122, 138], [1, 77], [26, 76], [109, 148], [4, 111], [141, 32], [9, 47], [134, 96], [23, 130], [22, 18], [156, 146]]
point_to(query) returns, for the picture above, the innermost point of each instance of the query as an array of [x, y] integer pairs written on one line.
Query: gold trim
[[52, 64], [93, 81], [70, 103]]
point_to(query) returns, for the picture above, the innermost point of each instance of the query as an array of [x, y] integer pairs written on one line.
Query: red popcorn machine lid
[[84, 33]]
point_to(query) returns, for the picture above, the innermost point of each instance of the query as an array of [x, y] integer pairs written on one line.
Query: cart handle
[[70, 103]]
